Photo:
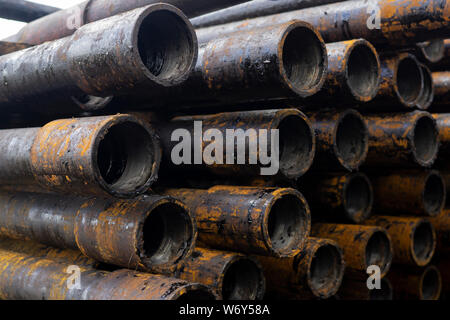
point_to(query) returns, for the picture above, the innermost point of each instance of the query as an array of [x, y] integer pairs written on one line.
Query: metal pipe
[[443, 125], [414, 20], [431, 51], [112, 155], [265, 221], [232, 275], [8, 47], [251, 66], [413, 239], [363, 246], [354, 73], [441, 224], [342, 140], [355, 289], [338, 197], [25, 11], [295, 156], [441, 81], [152, 233], [402, 140], [316, 272], [25, 277], [416, 283], [254, 9], [63, 23], [134, 56], [426, 97], [444, 63], [419, 193]]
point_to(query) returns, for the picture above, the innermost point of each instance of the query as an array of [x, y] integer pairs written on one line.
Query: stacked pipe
[[287, 149]]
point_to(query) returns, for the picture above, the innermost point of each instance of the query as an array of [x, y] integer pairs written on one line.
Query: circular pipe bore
[[363, 71], [326, 271], [385, 293], [430, 284], [358, 195], [288, 224], [423, 243], [304, 67], [425, 140], [167, 236], [434, 194], [379, 251], [409, 80], [427, 95], [296, 155], [167, 46], [351, 138], [243, 280], [126, 158], [433, 50], [194, 292]]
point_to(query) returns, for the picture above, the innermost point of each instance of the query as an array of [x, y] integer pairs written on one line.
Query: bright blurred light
[[9, 27]]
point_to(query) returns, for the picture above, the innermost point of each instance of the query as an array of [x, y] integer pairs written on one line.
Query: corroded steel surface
[[413, 239], [111, 155], [441, 224], [441, 81], [8, 47], [265, 221], [232, 275], [118, 232], [316, 272]]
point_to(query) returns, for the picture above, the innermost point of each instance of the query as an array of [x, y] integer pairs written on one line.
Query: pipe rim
[[437, 290], [404, 66], [426, 97], [386, 259], [424, 152], [427, 253], [435, 210], [364, 213]]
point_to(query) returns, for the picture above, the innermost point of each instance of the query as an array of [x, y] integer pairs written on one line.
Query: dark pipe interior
[[242, 281], [431, 285], [296, 146], [424, 242], [351, 140], [385, 293], [303, 58], [426, 96], [125, 157], [378, 251], [363, 71], [358, 198], [167, 234], [165, 45], [409, 80], [326, 269], [434, 194], [288, 223], [426, 139]]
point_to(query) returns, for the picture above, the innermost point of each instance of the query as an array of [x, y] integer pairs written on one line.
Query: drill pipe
[[443, 125], [112, 155], [25, 277], [402, 140], [363, 246], [444, 63], [152, 233], [25, 11], [413, 239], [35, 249], [426, 96], [63, 23], [402, 22], [265, 221], [419, 193], [431, 51], [342, 140], [441, 224], [295, 155], [356, 289], [132, 57], [233, 276], [338, 197], [254, 65], [254, 9], [8, 47], [441, 81], [416, 283], [317, 271]]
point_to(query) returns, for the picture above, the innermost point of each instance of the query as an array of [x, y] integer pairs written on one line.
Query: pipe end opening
[[243, 281]]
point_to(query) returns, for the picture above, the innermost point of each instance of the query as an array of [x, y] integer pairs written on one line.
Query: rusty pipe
[[402, 140], [232, 275], [316, 272], [413, 239], [295, 155], [414, 21], [441, 224], [152, 233], [111, 155], [431, 51], [441, 81], [25, 277], [342, 140], [444, 63], [63, 23], [419, 193], [356, 289], [443, 125], [25, 11], [134, 56], [363, 246], [426, 97], [416, 283], [354, 74], [264, 221], [8, 47], [338, 197]]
